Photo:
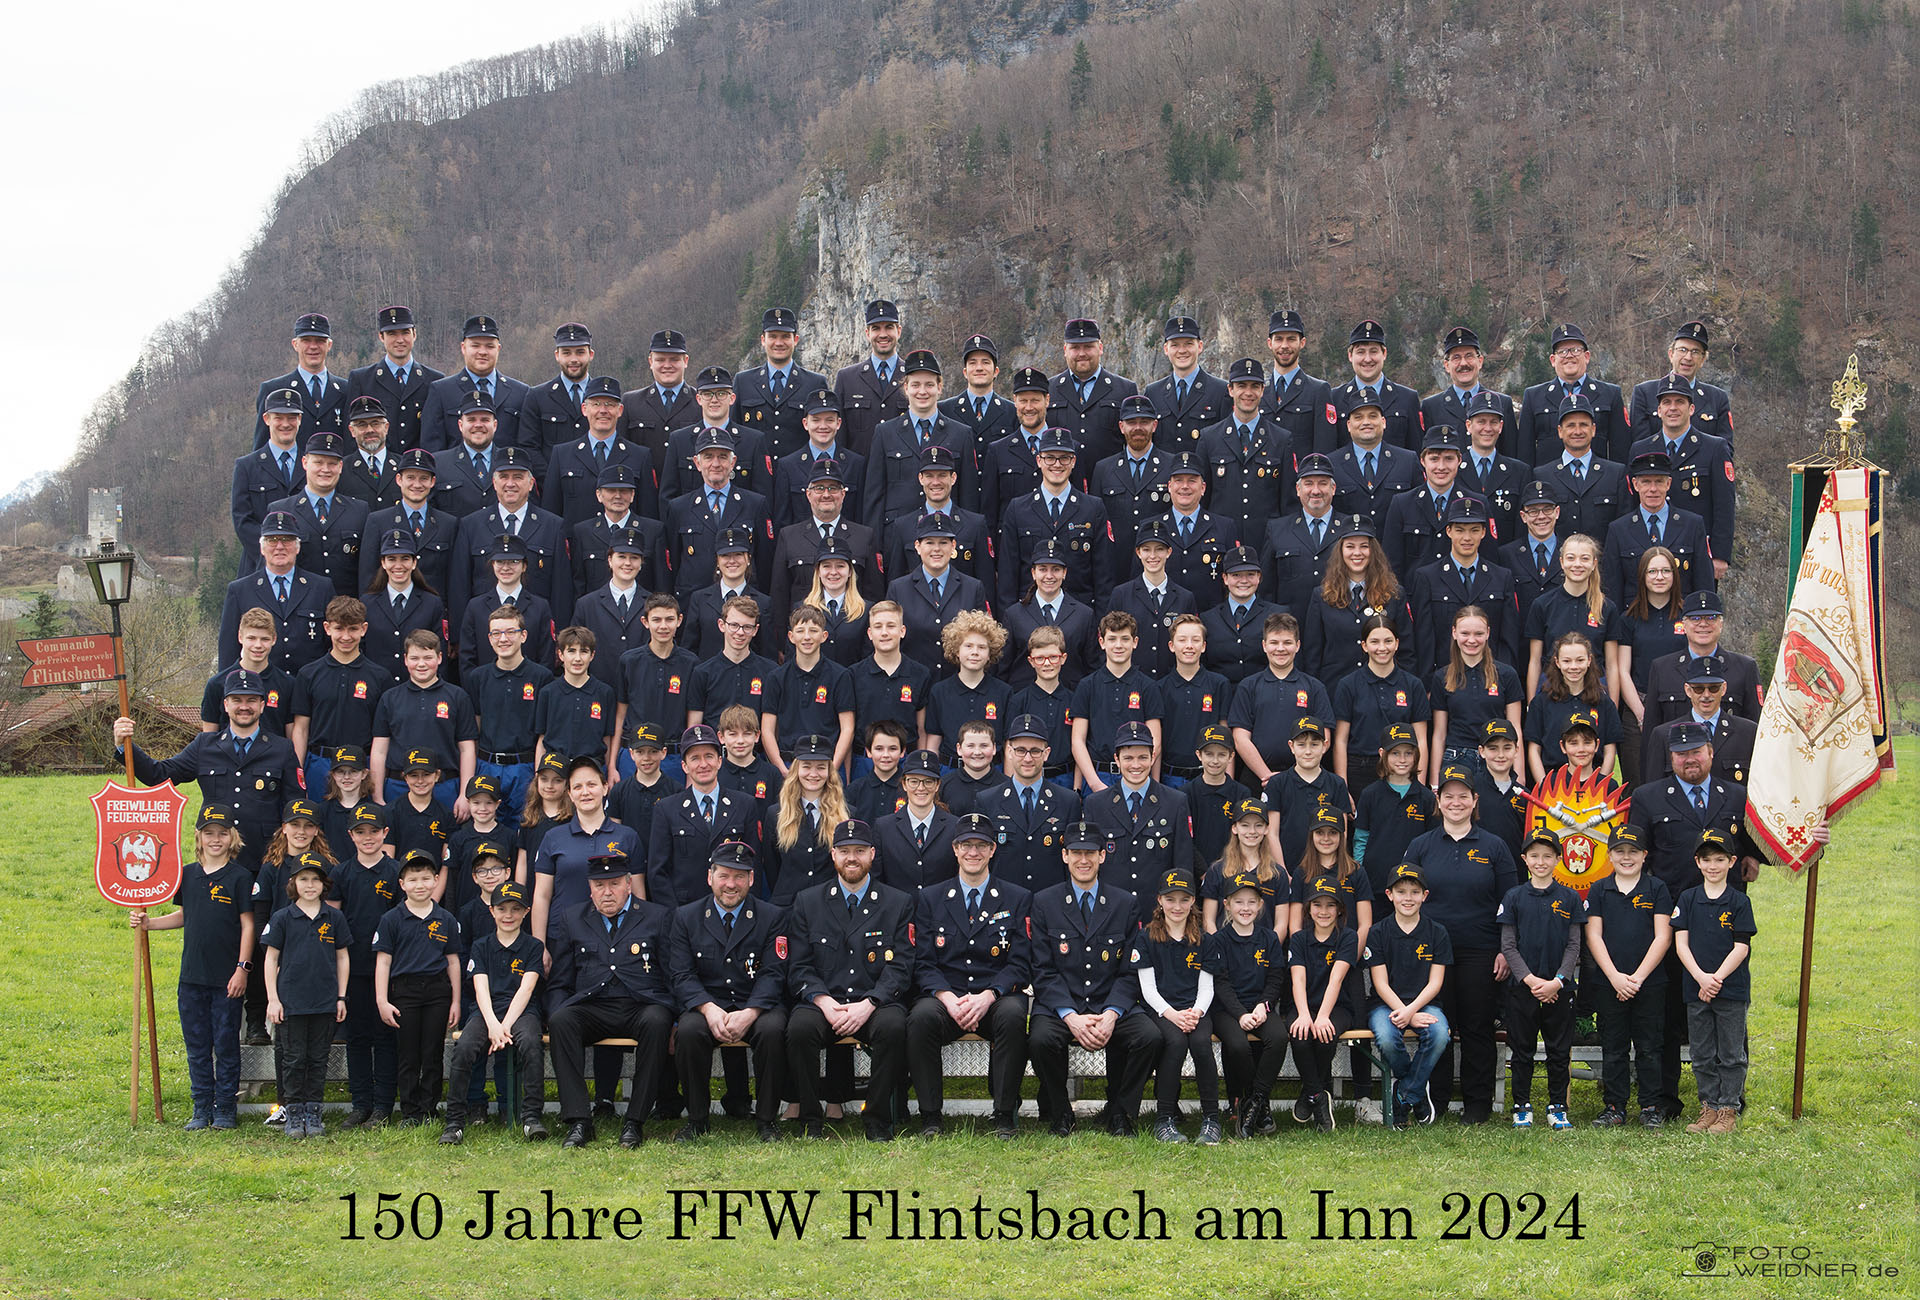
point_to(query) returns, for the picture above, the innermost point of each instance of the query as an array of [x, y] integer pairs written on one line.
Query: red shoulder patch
[[780, 946], [909, 933], [1728, 464]]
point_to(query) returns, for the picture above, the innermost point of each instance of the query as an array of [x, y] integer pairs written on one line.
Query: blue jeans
[[514, 782], [1454, 756], [1411, 1071], [317, 771], [210, 1029]]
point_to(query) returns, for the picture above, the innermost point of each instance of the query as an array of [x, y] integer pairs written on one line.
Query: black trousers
[[573, 1026], [1238, 1052], [1131, 1053], [1312, 1059], [1630, 1035], [930, 1028], [767, 1046], [885, 1037], [372, 1066], [423, 1002], [1527, 1020], [1469, 999], [1176, 1045], [472, 1049], [303, 1066]]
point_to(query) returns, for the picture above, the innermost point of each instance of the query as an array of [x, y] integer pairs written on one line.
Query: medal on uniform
[[1063, 947], [635, 950], [1104, 954], [994, 951]]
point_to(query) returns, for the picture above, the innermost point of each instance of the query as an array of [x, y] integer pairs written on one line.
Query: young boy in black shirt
[[878, 793], [1629, 929], [573, 714], [1713, 932], [417, 822], [504, 965], [1540, 923], [1295, 794], [1407, 956]]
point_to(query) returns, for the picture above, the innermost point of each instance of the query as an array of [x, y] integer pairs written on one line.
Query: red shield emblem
[[939, 940], [273, 699], [1133, 699], [1330, 414], [359, 690], [993, 711], [526, 691], [753, 687], [780, 946], [1206, 704], [819, 695], [1400, 699], [1300, 699], [136, 860], [673, 684], [906, 695], [440, 709], [596, 710], [1728, 466], [760, 789], [909, 931]]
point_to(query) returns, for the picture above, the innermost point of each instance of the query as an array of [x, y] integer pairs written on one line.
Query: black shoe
[[1652, 1117], [1263, 1119], [579, 1133], [533, 1130], [1303, 1108], [931, 1126], [256, 1035], [816, 1128], [767, 1131], [603, 1110], [1471, 1115], [452, 1135], [1005, 1126], [632, 1134], [665, 1110], [881, 1131], [412, 1121], [1323, 1112], [1247, 1117], [1402, 1114], [1423, 1111], [355, 1118], [691, 1131], [1611, 1117], [1062, 1125], [1119, 1125]]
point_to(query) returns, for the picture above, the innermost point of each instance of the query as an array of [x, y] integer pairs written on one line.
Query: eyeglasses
[[732, 626], [1028, 751], [1045, 656]]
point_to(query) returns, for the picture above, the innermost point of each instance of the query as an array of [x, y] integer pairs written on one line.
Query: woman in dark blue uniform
[[835, 594], [1649, 630], [399, 601], [797, 829], [1358, 587]]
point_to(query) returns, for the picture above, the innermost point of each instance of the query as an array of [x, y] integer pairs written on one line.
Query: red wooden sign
[[68, 660], [136, 860]]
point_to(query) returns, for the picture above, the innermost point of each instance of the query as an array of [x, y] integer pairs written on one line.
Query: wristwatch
[[243, 965]]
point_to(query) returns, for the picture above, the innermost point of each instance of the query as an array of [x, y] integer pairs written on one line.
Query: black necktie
[[706, 808], [1700, 800], [280, 590], [623, 603], [418, 522], [1540, 557], [1358, 594], [979, 408], [1367, 470], [668, 396], [885, 371], [1133, 805], [810, 825], [1186, 530], [779, 385], [729, 917], [853, 904], [1319, 528], [320, 510], [920, 835], [1486, 468], [1159, 596], [480, 463], [973, 903], [400, 377], [1046, 614], [611, 921], [1056, 510], [833, 608], [1653, 529], [1246, 441], [1579, 471], [399, 605], [513, 525], [313, 387], [1026, 797], [286, 467], [937, 587], [245, 745], [1086, 908], [1673, 452], [925, 430], [1139, 467], [1180, 394], [600, 452], [574, 388], [1033, 445]]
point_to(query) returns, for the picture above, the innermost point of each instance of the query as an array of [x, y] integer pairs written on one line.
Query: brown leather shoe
[[1727, 1121], [1708, 1114]]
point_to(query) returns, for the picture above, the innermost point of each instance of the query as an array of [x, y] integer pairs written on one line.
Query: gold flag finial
[[1849, 397]]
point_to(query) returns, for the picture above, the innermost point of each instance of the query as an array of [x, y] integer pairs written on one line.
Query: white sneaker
[[1367, 1111]]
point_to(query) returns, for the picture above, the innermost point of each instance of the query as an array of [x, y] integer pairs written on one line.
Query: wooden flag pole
[[1806, 987], [143, 951]]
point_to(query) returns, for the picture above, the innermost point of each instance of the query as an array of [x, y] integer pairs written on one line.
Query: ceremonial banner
[[1816, 749], [136, 861]]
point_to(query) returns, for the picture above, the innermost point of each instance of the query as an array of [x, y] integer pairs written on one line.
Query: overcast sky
[[142, 144]]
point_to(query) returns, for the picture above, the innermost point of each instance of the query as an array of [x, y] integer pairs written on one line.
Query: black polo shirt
[[1175, 965], [1466, 879], [899, 695], [282, 701], [214, 902], [1547, 718], [951, 703], [436, 717], [719, 682], [1317, 960], [758, 780], [427, 829], [309, 946], [656, 690], [1368, 704], [506, 701], [565, 849], [1393, 820], [1107, 702], [574, 720], [1713, 926], [1626, 921], [1554, 613], [1211, 807], [1541, 920], [1471, 706], [1355, 889], [460, 846], [1502, 813], [808, 703], [505, 967], [1213, 885], [340, 700], [419, 945], [1297, 799], [633, 802], [1409, 956], [1249, 964], [1267, 707], [1191, 707], [871, 798], [365, 894]]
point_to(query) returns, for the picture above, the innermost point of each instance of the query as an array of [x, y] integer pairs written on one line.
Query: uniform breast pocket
[[857, 402]]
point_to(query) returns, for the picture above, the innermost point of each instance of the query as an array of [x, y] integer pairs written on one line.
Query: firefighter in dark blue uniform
[[1295, 399], [1413, 533], [1007, 468], [1367, 354], [1153, 609], [574, 467], [434, 529], [1030, 813], [1702, 464], [1235, 626], [1133, 484], [542, 533], [972, 965], [1189, 399], [1534, 557], [1294, 551], [1465, 575], [1543, 406], [1057, 511], [1084, 399], [240, 764], [268, 473], [696, 520], [551, 414], [1369, 472], [463, 480], [323, 397], [1712, 408], [331, 523], [770, 397], [973, 536], [480, 352], [1248, 456], [714, 400], [649, 413], [1147, 826], [1495, 478], [988, 414], [368, 474], [1591, 490], [297, 598], [1200, 538], [1654, 520], [727, 955], [869, 390], [925, 617], [892, 487], [587, 546], [1464, 359], [397, 381]]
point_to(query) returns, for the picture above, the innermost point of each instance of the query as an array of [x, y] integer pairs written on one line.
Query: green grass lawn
[[95, 1209]]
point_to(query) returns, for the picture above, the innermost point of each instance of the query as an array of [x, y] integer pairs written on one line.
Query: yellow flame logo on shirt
[[433, 932], [1422, 953], [325, 932], [1726, 920]]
